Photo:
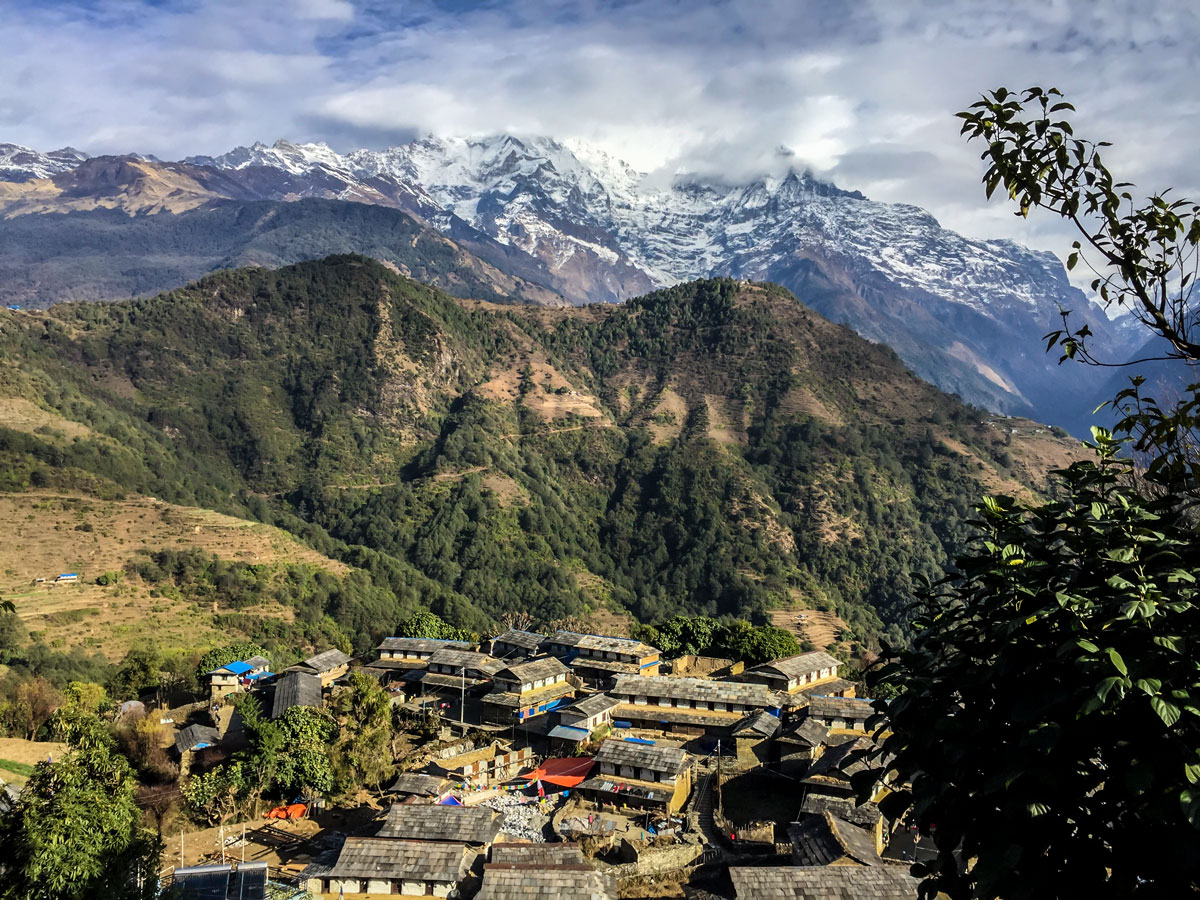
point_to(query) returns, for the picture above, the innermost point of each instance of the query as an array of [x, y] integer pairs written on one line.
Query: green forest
[[350, 406]]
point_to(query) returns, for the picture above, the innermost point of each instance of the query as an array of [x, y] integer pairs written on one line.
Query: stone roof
[[857, 708], [526, 640], [558, 854], [535, 882], [259, 662], [421, 785], [449, 656], [831, 762], [822, 689], [618, 752], [761, 724], [327, 661], [382, 858], [801, 664], [536, 695], [824, 839], [614, 666], [822, 883], [417, 645], [810, 733], [296, 689], [656, 686], [601, 642], [535, 669], [592, 705], [465, 824], [188, 738], [864, 815]]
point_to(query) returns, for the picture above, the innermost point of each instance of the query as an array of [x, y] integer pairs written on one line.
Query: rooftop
[[823, 883], [233, 668], [465, 824], [327, 661], [296, 689], [458, 659], [536, 695], [196, 736], [617, 752], [601, 642], [562, 854], [417, 645], [537, 882], [801, 665], [863, 814], [535, 669], [593, 705], [825, 838], [858, 708], [365, 857], [656, 686], [830, 763], [526, 640], [810, 732], [761, 723]]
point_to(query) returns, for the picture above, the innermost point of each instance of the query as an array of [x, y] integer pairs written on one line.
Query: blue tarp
[[633, 740], [234, 668], [448, 801]]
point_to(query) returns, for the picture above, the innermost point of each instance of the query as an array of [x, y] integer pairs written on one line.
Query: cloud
[[862, 93]]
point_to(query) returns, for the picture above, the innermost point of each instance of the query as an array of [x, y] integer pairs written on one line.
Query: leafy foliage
[[1047, 715], [74, 832]]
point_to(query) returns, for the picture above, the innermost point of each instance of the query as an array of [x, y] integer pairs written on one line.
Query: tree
[[1046, 728], [426, 624], [215, 796], [74, 832], [306, 766], [362, 756], [33, 703], [139, 671]]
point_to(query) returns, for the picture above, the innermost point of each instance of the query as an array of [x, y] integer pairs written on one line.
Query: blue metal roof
[[234, 668]]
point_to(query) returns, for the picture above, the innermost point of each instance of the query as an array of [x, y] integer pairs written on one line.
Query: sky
[[862, 93]]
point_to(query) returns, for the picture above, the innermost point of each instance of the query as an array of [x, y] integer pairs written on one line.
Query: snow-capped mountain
[[21, 164], [965, 314]]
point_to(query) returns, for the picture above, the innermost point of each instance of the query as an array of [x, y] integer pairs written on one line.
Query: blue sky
[[861, 92]]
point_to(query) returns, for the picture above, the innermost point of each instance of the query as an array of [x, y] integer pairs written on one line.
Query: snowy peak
[[20, 164]]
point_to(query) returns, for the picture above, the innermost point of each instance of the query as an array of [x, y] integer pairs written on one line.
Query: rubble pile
[[521, 820]]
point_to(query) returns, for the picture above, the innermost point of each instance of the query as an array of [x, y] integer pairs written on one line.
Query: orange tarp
[[292, 811], [565, 771]]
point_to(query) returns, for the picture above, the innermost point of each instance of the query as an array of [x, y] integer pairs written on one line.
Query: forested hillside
[[712, 448]]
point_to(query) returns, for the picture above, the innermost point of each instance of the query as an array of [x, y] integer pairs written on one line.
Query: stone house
[[640, 775]]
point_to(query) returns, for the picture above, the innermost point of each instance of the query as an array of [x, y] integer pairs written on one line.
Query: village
[[571, 765]]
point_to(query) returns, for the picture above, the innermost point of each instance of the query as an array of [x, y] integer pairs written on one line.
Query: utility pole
[[720, 806], [462, 700]]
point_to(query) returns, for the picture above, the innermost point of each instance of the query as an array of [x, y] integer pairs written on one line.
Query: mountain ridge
[[966, 314]]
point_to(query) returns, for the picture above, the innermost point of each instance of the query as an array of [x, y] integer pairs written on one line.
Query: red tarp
[[565, 772]]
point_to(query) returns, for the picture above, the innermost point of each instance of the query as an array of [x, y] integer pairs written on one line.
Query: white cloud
[[863, 93]]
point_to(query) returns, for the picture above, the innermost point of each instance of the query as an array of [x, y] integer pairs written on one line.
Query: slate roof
[[449, 656], [625, 753], [526, 640], [558, 854], [830, 763], [327, 661], [382, 858], [864, 815], [296, 689], [824, 839], [507, 882], [856, 708], [761, 724], [464, 824], [540, 695], [801, 664], [193, 735], [546, 667], [655, 686], [823, 688], [601, 643], [259, 662], [417, 645], [421, 785], [810, 733], [593, 705], [822, 883]]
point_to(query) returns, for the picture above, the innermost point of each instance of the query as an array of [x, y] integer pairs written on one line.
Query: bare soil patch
[[20, 414]]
